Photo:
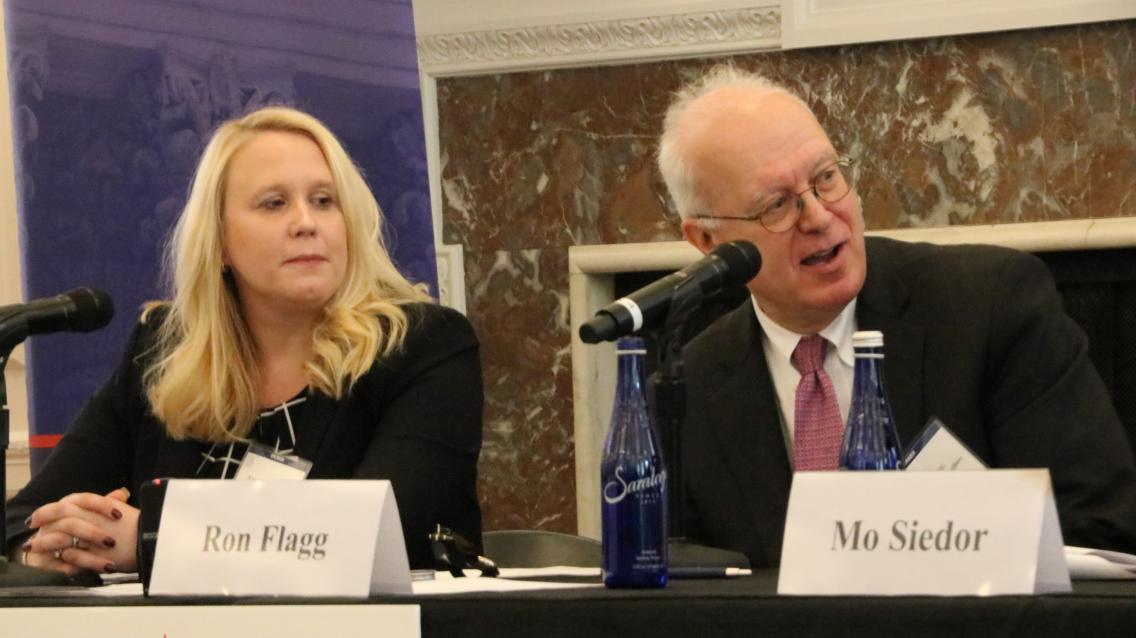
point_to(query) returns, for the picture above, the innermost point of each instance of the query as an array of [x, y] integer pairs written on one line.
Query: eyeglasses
[[830, 184]]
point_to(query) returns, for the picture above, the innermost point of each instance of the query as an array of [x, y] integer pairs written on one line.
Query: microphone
[[732, 263], [80, 310]]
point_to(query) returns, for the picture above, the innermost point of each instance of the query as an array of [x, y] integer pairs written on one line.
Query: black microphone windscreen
[[743, 261], [93, 309], [597, 329]]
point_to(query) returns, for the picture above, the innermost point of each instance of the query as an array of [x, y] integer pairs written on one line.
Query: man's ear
[[698, 237]]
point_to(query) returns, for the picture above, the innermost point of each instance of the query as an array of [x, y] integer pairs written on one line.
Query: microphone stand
[[15, 574], [668, 407]]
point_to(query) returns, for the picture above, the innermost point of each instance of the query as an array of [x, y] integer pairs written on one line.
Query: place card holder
[[151, 496]]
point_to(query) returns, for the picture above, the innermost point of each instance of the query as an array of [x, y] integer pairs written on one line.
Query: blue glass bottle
[[870, 439], [633, 482]]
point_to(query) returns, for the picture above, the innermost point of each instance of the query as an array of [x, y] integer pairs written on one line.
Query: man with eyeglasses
[[974, 334]]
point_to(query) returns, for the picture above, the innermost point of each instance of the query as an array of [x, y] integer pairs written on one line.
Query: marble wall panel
[[995, 128], [518, 304]]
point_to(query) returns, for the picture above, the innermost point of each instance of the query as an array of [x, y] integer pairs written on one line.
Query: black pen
[[707, 572]]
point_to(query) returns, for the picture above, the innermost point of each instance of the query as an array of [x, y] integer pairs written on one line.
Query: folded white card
[[922, 533], [279, 538], [938, 449], [1099, 564], [207, 621]]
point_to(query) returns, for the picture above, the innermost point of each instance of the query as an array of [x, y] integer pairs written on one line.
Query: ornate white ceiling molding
[[601, 42]]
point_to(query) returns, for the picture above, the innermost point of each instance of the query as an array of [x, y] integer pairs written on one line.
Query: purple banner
[[112, 102]]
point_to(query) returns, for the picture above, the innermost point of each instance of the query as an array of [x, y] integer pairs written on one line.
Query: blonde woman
[[288, 327]]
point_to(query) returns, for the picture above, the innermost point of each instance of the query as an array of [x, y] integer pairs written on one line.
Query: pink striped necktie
[[818, 430]]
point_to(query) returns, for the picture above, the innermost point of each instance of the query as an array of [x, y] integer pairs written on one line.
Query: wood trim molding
[[633, 39], [451, 276], [811, 23], [19, 468]]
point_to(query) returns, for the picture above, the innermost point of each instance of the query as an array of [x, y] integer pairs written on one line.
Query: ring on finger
[[74, 541], [58, 554]]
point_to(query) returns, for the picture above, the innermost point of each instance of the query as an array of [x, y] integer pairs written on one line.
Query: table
[[734, 607]]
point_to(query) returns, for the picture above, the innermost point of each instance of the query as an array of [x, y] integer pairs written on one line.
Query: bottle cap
[[867, 339], [631, 345]]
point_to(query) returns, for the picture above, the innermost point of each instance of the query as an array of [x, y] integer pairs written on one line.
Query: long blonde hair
[[201, 383]]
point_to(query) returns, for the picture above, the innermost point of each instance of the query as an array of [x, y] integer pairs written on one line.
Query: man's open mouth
[[821, 257]]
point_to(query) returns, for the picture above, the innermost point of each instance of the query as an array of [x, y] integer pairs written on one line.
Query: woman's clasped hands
[[84, 531]]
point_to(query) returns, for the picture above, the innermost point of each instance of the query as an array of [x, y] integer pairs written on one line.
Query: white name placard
[[206, 621], [948, 533], [280, 538]]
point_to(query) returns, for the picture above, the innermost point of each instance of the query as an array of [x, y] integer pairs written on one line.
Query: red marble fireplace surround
[[981, 131]]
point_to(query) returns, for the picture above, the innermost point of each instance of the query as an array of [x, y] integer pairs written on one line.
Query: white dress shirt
[[778, 344]]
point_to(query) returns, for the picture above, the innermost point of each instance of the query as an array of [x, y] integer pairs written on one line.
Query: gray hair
[[676, 170]]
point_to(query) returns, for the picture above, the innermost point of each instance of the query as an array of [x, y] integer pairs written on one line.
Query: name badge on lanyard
[[262, 462]]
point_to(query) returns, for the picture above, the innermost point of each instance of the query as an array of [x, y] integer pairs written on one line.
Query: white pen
[[708, 572]]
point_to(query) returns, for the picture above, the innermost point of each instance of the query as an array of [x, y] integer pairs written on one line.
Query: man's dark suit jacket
[[974, 335]]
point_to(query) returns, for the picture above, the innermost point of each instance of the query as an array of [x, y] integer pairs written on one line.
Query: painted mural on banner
[[112, 102]]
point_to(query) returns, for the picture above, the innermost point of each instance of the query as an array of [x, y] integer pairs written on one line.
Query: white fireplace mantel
[[591, 271]]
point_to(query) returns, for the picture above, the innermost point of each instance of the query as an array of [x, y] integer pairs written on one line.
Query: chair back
[[537, 548]]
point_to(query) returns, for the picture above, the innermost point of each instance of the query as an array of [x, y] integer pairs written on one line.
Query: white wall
[[809, 23], [10, 288]]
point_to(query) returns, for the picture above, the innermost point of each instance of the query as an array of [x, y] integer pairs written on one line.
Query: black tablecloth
[[734, 607], [751, 607]]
